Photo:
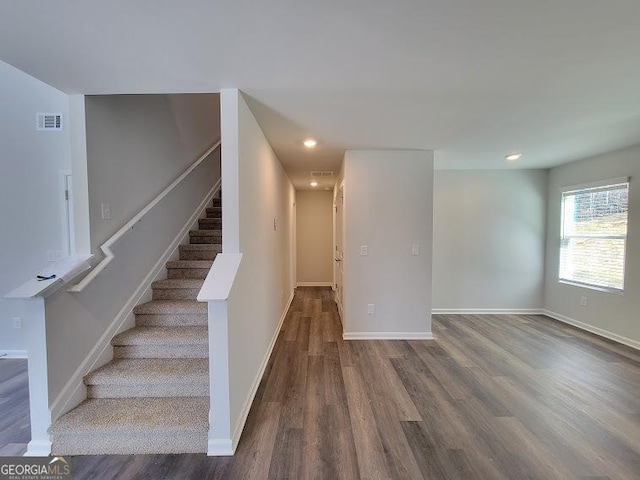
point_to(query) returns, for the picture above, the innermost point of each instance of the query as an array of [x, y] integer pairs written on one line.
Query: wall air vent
[[49, 121], [319, 173]]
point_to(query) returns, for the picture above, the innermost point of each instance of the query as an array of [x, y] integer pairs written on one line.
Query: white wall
[[136, 146], [263, 286], [139, 144], [30, 189], [609, 313], [314, 237], [488, 240], [389, 207]]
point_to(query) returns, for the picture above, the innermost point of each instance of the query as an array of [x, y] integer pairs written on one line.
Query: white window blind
[[594, 235]]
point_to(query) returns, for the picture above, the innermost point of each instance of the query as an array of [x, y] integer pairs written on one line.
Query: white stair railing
[[106, 246]]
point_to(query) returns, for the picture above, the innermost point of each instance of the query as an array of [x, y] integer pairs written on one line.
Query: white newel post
[[33, 293], [215, 291], [220, 443], [36, 333]]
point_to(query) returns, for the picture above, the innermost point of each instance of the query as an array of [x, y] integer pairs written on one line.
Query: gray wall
[[388, 206], [262, 193], [605, 312], [488, 239], [139, 144], [314, 237], [30, 188]]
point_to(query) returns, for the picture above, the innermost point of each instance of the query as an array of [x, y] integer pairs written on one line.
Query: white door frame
[[68, 227]]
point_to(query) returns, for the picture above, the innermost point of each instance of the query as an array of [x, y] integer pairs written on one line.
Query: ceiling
[[471, 79]]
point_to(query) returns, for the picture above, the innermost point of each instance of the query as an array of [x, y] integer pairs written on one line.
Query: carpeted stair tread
[[206, 233], [165, 415], [190, 264], [202, 246], [168, 307], [140, 372], [210, 223], [214, 212], [196, 335], [170, 283]]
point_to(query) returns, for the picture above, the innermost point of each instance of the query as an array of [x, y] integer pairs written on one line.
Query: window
[[594, 234]]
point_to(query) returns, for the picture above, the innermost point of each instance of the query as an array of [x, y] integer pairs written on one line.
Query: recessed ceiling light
[[513, 156], [314, 184], [310, 143]]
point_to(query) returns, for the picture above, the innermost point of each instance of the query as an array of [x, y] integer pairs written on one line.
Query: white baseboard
[[220, 448], [13, 354], [74, 392], [590, 328], [387, 336], [487, 311], [235, 438], [38, 449], [314, 284]]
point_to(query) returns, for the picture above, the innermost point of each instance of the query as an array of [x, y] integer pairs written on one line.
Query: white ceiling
[[470, 79]]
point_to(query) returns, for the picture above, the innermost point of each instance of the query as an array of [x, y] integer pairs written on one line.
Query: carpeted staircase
[[154, 396]]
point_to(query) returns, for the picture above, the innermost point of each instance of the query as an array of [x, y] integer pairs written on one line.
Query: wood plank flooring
[[493, 397], [15, 432]]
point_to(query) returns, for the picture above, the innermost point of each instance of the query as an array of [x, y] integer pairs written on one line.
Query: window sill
[[597, 288]]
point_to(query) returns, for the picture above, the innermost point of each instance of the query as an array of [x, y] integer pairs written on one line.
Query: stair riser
[[214, 212], [200, 389], [198, 254], [172, 320], [217, 202], [161, 351], [210, 223], [142, 443], [199, 273], [175, 293], [200, 239]]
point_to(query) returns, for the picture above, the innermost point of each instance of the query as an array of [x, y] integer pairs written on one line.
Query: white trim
[[220, 448], [217, 285], [597, 184], [13, 354], [487, 311], [106, 247], [590, 328], [387, 336], [314, 284], [237, 432], [74, 391], [38, 449]]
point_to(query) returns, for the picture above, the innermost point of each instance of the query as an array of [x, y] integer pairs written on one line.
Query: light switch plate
[[364, 250], [106, 211]]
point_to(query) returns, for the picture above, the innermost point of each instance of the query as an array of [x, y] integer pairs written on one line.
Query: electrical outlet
[[364, 250], [415, 249], [17, 323], [371, 308], [106, 211], [583, 301]]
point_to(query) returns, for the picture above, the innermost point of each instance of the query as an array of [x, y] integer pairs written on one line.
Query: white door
[[338, 254]]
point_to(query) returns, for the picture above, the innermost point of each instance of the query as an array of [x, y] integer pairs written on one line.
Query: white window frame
[[604, 184]]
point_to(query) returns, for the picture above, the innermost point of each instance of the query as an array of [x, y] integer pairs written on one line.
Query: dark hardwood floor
[[493, 397], [14, 407]]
